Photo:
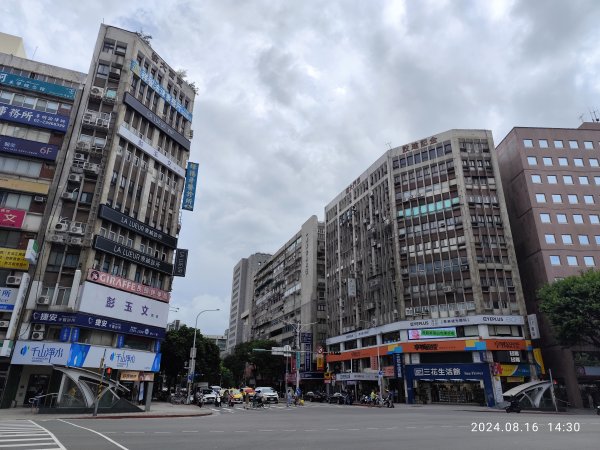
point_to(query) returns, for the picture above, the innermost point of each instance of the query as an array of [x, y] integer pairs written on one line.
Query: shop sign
[[432, 333], [534, 329], [123, 284], [515, 380], [56, 122], [32, 252], [107, 302], [181, 257], [43, 87], [358, 376], [12, 218], [8, 297], [189, 190], [84, 355], [128, 375], [320, 362], [114, 248], [397, 365], [311, 375], [448, 371], [40, 353], [125, 221], [512, 370], [30, 149], [13, 259], [97, 323], [388, 371]]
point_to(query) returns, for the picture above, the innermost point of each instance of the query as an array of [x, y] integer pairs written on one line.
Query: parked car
[[208, 396], [315, 396], [268, 394], [337, 397], [236, 395]]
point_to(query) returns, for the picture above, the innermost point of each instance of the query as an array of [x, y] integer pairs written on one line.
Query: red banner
[[12, 218], [123, 284]]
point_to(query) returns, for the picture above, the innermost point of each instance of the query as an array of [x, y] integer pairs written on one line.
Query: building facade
[[37, 109], [100, 292], [242, 290], [552, 176], [289, 299], [423, 291]]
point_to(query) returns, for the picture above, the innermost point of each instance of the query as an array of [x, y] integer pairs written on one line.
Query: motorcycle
[[513, 406], [598, 410]]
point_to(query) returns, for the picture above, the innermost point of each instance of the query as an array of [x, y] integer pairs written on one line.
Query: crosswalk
[[27, 435], [273, 407]]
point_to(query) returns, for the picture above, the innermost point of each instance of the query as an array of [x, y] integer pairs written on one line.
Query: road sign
[[380, 373], [277, 351], [287, 350], [297, 360]]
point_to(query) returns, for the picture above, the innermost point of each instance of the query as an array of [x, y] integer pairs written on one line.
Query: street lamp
[[297, 328], [379, 375], [192, 365]]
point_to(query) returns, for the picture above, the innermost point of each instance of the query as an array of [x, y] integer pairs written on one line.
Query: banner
[[432, 333], [123, 284], [30, 149], [13, 259], [107, 302], [180, 265], [130, 254], [29, 84], [189, 190], [8, 297], [56, 122], [12, 218]]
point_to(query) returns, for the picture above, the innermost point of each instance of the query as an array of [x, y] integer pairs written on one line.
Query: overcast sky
[[297, 98]]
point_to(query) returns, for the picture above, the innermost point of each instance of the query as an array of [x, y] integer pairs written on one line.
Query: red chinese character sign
[[12, 218]]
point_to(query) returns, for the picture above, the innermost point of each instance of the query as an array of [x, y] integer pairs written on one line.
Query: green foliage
[[176, 351], [269, 368], [573, 307]]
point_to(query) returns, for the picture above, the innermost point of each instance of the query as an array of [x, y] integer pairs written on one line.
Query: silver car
[[268, 394]]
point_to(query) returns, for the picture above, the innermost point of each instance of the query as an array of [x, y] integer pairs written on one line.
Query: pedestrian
[[373, 397], [246, 399], [218, 399], [226, 397], [289, 397]]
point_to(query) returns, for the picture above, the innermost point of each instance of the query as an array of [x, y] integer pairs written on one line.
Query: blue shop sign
[[65, 333], [189, 190], [27, 116], [98, 323], [397, 365], [74, 334], [23, 147], [29, 84]]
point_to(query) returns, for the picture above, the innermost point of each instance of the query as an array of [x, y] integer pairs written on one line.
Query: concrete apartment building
[[101, 287], [242, 290], [552, 177], [36, 112], [289, 298], [423, 290]]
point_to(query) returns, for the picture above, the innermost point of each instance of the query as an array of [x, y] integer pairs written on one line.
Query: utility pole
[[99, 390]]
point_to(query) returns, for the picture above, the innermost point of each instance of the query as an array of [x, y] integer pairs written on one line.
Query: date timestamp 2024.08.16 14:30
[[524, 427]]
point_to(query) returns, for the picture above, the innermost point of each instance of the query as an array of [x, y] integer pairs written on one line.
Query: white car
[[268, 394], [208, 396]]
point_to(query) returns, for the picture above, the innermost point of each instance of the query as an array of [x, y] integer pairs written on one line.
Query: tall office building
[[242, 290], [289, 298], [551, 176], [423, 291], [106, 263], [36, 111]]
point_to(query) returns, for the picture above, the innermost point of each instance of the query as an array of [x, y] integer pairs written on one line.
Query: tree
[[268, 368], [176, 353], [573, 307]]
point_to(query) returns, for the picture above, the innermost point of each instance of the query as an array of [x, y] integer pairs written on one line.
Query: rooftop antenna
[[389, 144], [581, 118], [33, 56], [595, 115]]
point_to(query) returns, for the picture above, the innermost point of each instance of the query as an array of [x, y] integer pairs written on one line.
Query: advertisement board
[[189, 190], [31, 149], [181, 257], [12, 218], [8, 297], [40, 353], [107, 302], [432, 333], [123, 284], [130, 254], [13, 259], [26, 116], [30, 84]]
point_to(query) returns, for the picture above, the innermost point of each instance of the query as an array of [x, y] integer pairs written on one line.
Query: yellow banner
[[13, 259], [537, 356], [320, 362]]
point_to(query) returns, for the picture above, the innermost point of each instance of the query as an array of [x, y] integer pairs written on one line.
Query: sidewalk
[[157, 410]]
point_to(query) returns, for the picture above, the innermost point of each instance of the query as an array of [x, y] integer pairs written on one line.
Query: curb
[[150, 416]]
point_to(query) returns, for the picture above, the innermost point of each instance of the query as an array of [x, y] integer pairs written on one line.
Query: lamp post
[[297, 328], [192, 365], [379, 376]]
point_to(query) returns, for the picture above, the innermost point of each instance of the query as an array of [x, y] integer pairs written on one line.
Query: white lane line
[[266, 431], [447, 426], [58, 443], [37, 444], [162, 432], [311, 430], [47, 438], [332, 429], [217, 431], [410, 427], [95, 432], [190, 431], [134, 432], [351, 429], [239, 431], [288, 430], [372, 428]]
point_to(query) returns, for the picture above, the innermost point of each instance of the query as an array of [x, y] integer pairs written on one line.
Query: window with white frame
[[573, 200], [563, 162], [589, 261], [558, 144], [527, 143], [543, 143], [567, 179], [547, 161], [555, 260], [545, 218], [532, 160], [540, 198], [583, 239], [573, 144], [588, 145], [556, 198], [578, 219], [593, 162], [594, 219], [584, 180], [572, 261], [550, 239], [536, 179], [561, 218], [552, 179], [567, 239], [578, 162], [588, 199]]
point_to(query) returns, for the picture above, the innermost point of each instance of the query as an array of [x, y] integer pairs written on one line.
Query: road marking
[[310, 430], [333, 429], [189, 431], [95, 432], [288, 430], [240, 431], [266, 430], [392, 428], [162, 432], [27, 433], [372, 428], [134, 432], [410, 427], [216, 431], [351, 429]]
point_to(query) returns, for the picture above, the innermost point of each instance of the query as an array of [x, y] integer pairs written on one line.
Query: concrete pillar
[[149, 389]]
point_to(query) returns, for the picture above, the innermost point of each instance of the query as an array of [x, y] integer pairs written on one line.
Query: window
[[567, 179], [551, 179], [584, 180], [593, 162], [588, 199], [578, 219], [103, 70], [573, 144], [536, 179], [540, 198], [563, 162], [558, 144], [573, 200], [597, 181], [528, 143], [547, 161], [16, 201], [583, 239], [550, 239], [588, 145], [556, 198], [543, 143], [555, 260], [567, 239], [589, 261], [561, 218], [22, 167], [594, 219], [572, 261], [545, 218], [578, 162]]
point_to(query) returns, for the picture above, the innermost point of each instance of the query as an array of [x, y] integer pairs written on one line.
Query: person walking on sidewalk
[[289, 397]]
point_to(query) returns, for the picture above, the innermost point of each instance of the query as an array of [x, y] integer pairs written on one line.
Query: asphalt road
[[322, 426]]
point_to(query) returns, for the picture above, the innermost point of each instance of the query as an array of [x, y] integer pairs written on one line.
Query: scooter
[[598, 410], [513, 406]]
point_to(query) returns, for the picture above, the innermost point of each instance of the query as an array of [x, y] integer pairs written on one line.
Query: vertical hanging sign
[[189, 190], [180, 262]]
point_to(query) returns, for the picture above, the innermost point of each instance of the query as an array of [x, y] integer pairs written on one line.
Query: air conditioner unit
[[39, 327], [61, 226], [43, 300], [82, 145], [96, 91], [57, 238], [39, 199], [409, 312], [75, 178], [76, 230], [79, 157], [69, 195], [511, 289], [4, 323], [102, 123], [448, 289], [37, 336], [190, 134], [76, 241], [13, 281]]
